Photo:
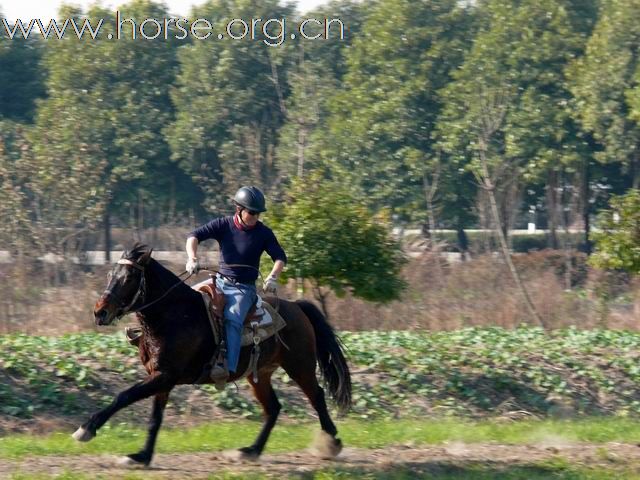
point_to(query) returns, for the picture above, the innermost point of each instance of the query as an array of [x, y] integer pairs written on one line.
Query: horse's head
[[125, 286]]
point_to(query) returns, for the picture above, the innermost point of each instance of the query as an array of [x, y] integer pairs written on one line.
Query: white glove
[[192, 266], [270, 285]]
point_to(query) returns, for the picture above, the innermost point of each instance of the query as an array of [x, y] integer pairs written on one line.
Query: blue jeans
[[239, 299]]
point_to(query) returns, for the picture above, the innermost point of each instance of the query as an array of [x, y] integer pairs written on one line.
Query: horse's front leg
[[152, 385], [143, 457]]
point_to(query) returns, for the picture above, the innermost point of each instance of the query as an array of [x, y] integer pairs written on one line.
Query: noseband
[[140, 293]]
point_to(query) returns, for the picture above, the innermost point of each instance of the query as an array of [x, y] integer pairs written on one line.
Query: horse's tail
[[330, 353]]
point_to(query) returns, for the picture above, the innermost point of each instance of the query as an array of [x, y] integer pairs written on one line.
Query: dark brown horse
[[177, 342]]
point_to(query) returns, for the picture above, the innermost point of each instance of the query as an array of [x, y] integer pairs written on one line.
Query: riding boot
[[219, 375]]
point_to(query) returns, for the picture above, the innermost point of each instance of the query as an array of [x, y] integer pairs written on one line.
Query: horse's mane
[[165, 276]]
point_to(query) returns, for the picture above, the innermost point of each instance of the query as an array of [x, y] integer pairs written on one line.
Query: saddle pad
[[266, 328]]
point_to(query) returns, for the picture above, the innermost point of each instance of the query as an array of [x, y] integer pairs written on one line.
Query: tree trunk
[[635, 171], [489, 187], [322, 298], [107, 236], [552, 208], [171, 217], [302, 140], [567, 247], [430, 189], [463, 241], [586, 206], [140, 215]]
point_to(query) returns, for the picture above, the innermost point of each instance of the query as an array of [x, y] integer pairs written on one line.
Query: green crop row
[[473, 372]]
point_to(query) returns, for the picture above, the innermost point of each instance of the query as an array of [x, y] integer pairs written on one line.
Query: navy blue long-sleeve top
[[240, 246]]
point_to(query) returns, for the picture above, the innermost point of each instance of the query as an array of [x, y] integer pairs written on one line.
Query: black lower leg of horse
[[159, 403], [315, 393], [323, 413], [271, 406], [150, 386], [329, 446]]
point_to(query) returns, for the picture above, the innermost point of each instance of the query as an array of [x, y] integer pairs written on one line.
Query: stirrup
[[219, 375]]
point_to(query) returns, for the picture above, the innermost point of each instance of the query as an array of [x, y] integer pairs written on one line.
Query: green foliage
[[99, 133], [228, 99], [16, 177], [51, 368], [332, 240], [468, 373], [618, 242], [317, 75], [605, 82], [21, 77], [514, 75], [380, 130]]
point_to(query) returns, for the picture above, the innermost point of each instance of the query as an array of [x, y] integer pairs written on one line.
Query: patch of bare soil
[[421, 461]]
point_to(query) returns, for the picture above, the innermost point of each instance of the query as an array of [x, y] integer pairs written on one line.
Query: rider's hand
[[270, 285], [193, 266]]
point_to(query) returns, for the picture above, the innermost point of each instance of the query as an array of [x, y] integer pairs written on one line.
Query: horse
[[178, 341]]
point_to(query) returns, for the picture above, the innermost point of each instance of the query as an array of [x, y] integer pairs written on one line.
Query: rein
[[141, 293], [142, 289]]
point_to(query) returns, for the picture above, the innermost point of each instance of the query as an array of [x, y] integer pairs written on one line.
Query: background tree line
[[443, 113]]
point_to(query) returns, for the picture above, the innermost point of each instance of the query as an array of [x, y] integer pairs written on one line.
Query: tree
[[606, 85], [505, 117], [380, 132], [318, 73], [16, 197], [229, 99], [334, 243], [108, 104], [21, 77], [618, 241]]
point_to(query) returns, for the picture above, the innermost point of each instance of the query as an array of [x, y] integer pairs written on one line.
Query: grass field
[[355, 433], [366, 435]]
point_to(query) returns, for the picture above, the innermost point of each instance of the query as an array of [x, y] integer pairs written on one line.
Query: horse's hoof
[[83, 435], [326, 446], [133, 461], [248, 453]]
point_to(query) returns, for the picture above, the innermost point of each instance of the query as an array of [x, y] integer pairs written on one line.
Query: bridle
[[141, 292]]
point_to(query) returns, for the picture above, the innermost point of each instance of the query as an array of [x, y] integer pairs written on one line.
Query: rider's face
[[248, 218]]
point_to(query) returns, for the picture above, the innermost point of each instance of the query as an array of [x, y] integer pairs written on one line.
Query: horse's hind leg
[[143, 457], [263, 391], [152, 385], [327, 445]]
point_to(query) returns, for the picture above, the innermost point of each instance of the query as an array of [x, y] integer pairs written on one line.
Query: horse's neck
[[164, 302]]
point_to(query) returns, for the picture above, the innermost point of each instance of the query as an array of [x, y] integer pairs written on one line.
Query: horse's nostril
[[101, 316]]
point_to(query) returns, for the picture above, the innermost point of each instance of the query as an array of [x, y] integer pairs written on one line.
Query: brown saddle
[[218, 302]]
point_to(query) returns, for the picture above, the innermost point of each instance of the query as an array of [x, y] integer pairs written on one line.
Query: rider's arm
[[276, 252], [192, 248], [278, 266], [204, 232]]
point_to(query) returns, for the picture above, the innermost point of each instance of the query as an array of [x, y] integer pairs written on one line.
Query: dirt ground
[[421, 461]]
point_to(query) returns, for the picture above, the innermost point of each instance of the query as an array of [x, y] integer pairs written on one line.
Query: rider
[[242, 239]]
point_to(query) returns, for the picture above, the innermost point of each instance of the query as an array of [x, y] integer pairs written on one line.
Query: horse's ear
[[145, 257]]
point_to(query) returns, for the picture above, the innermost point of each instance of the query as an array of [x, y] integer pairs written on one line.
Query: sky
[[46, 9]]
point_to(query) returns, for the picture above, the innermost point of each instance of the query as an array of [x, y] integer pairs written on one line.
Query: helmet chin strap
[[239, 209], [240, 217]]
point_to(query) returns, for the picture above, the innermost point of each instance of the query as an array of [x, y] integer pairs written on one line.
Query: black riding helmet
[[250, 198]]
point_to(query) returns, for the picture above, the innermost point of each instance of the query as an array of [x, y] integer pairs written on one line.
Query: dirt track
[[420, 460]]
